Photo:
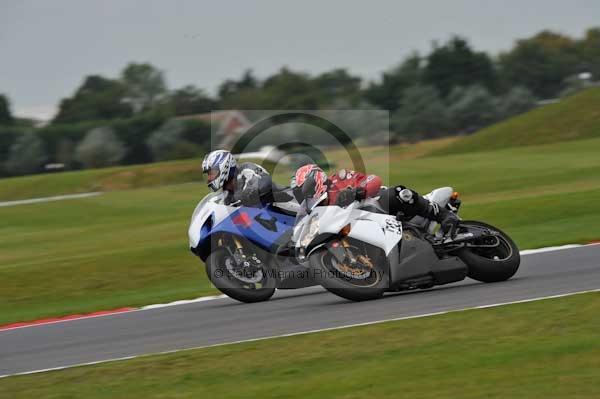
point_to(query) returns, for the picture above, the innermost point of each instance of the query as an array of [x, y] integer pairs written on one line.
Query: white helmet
[[220, 166]]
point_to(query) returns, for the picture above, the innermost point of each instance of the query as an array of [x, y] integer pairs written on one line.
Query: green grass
[[546, 349], [121, 248], [574, 118], [107, 179], [129, 248]]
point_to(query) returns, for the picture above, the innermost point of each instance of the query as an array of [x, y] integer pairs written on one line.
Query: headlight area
[[309, 233]]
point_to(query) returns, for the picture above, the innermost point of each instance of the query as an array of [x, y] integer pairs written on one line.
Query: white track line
[[550, 249], [49, 199], [495, 305], [183, 302], [95, 316]]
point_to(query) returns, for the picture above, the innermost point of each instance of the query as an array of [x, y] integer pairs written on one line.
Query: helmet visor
[[313, 202], [213, 174]]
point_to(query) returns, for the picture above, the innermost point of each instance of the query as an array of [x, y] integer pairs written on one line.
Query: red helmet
[[311, 181]]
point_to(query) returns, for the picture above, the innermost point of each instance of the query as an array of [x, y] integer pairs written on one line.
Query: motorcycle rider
[[245, 184], [342, 188], [347, 186]]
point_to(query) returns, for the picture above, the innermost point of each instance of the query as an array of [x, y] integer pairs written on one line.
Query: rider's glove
[[361, 194], [346, 197]]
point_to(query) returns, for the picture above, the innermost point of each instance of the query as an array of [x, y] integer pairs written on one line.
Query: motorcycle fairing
[[380, 230], [262, 226]]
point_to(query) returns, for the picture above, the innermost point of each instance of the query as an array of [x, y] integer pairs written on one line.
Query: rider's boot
[[416, 204]]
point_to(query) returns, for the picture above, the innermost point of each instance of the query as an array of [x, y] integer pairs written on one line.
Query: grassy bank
[[107, 179], [129, 247], [573, 118], [545, 349]]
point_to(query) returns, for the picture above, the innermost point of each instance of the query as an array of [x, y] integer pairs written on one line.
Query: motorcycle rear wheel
[[490, 265]]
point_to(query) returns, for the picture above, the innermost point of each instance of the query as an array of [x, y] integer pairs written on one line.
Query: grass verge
[[544, 349]]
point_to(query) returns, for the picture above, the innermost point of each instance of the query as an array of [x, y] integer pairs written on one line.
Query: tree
[[6, 117], [145, 85], [337, 85], [360, 121], [471, 108], [517, 101], [168, 142], [388, 92], [8, 136], [231, 87], [245, 93], [590, 53], [97, 98], [284, 90], [456, 64], [422, 113], [65, 152], [541, 63], [100, 148], [190, 100], [27, 155], [289, 90]]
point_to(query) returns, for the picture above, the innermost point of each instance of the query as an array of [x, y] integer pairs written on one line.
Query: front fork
[[340, 250], [343, 252], [242, 259]]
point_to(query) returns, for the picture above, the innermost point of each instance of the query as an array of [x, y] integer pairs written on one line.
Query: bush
[[422, 114], [132, 132], [26, 155], [471, 108], [168, 142], [54, 134], [100, 148], [517, 101], [8, 135]]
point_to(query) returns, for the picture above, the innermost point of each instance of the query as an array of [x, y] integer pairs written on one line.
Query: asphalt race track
[[224, 320]]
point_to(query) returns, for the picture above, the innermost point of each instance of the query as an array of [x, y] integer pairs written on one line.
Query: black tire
[[342, 286], [232, 287], [481, 263]]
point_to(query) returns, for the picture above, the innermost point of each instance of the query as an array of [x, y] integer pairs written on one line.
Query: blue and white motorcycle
[[245, 249]]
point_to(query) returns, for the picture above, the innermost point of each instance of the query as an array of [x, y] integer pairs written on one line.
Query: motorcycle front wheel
[[363, 280], [492, 258], [249, 286]]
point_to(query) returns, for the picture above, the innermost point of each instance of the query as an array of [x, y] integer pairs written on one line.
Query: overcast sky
[[47, 47]]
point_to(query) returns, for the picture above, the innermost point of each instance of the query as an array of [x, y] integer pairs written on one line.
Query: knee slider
[[405, 195]]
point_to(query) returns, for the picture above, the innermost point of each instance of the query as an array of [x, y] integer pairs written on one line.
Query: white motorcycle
[[359, 252]]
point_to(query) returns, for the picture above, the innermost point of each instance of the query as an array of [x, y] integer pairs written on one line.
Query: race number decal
[[393, 226]]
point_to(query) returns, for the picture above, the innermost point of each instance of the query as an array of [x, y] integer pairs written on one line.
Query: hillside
[[576, 117]]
